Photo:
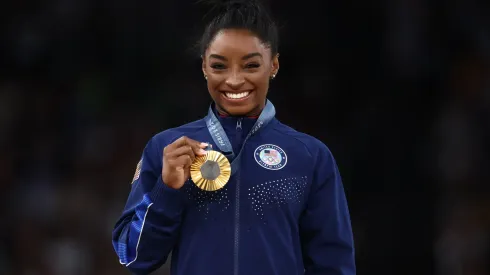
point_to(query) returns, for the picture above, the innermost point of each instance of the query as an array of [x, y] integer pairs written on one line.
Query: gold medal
[[211, 172]]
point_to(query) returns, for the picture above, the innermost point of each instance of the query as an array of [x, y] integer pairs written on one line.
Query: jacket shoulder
[[168, 136], [313, 145]]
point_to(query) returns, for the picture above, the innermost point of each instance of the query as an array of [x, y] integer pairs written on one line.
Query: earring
[[273, 76], [206, 77]]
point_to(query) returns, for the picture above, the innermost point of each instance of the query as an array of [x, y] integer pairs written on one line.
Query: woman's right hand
[[177, 159]]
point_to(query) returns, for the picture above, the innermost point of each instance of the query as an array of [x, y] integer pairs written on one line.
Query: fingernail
[[202, 152], [204, 144]]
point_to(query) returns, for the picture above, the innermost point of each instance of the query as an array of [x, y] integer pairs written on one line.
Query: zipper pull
[[239, 124]]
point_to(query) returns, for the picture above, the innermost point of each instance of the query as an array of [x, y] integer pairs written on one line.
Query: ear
[[203, 65], [275, 65]]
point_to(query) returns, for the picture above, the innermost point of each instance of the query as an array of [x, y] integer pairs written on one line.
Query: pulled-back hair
[[248, 15]]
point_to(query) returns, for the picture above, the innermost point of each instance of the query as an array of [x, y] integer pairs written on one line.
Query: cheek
[[261, 80], [213, 84]]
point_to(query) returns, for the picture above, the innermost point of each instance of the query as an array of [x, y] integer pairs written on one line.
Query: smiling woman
[[239, 52], [265, 200], [238, 65]]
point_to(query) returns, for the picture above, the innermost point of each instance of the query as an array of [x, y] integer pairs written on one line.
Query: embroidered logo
[[270, 157]]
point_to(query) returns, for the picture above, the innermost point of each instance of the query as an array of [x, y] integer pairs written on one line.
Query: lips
[[240, 95], [236, 96]]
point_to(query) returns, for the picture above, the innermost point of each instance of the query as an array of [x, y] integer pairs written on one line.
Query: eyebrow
[[248, 56]]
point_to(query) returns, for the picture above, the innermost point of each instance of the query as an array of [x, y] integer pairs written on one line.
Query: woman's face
[[238, 67]]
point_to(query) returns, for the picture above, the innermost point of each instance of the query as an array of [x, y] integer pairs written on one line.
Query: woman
[[283, 211]]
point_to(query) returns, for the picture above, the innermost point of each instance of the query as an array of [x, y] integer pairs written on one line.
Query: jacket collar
[[232, 123]]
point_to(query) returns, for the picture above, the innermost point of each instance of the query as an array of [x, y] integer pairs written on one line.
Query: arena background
[[398, 89]]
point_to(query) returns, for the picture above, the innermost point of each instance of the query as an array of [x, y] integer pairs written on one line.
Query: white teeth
[[237, 96]]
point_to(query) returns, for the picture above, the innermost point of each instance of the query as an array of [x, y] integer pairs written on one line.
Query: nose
[[235, 81]]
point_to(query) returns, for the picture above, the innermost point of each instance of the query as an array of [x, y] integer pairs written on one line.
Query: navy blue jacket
[[283, 213]]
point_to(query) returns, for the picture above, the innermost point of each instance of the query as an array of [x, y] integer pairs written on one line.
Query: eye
[[218, 66], [252, 65]]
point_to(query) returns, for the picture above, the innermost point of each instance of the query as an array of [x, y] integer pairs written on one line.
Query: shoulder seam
[[179, 128], [296, 138]]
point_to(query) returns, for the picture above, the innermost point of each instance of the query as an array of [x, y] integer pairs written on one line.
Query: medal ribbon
[[221, 139]]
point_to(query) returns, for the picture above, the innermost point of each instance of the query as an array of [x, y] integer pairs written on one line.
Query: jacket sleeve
[[325, 226], [148, 228]]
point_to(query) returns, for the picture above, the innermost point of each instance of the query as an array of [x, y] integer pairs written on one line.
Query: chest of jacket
[[272, 182]]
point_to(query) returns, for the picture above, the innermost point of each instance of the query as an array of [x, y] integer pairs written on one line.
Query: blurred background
[[398, 89]]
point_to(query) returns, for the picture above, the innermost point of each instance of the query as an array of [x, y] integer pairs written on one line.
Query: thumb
[[198, 148]]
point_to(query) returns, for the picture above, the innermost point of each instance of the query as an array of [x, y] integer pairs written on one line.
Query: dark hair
[[245, 14]]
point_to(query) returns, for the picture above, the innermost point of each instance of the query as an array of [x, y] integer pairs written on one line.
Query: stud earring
[[206, 77], [273, 76]]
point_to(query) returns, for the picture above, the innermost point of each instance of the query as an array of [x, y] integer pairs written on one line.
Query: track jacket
[[283, 211]]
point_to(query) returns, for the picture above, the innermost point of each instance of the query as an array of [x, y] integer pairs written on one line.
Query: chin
[[238, 110]]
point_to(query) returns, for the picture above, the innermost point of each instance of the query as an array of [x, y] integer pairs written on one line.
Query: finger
[[203, 145], [184, 150], [189, 141], [182, 161], [176, 144], [199, 151], [196, 145], [178, 162]]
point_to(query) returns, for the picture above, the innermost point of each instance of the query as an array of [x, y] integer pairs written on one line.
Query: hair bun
[[252, 15], [238, 4], [230, 3], [222, 6]]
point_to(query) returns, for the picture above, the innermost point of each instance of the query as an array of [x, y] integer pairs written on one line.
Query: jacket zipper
[[237, 201]]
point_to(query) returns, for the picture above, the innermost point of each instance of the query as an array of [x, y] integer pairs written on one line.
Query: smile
[[237, 95]]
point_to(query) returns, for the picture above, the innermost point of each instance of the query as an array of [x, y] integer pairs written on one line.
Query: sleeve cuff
[[167, 199]]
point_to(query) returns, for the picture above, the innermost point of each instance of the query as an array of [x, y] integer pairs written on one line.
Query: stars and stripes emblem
[[137, 172], [270, 156]]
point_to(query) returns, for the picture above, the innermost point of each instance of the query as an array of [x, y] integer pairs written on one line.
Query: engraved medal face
[[211, 172]]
